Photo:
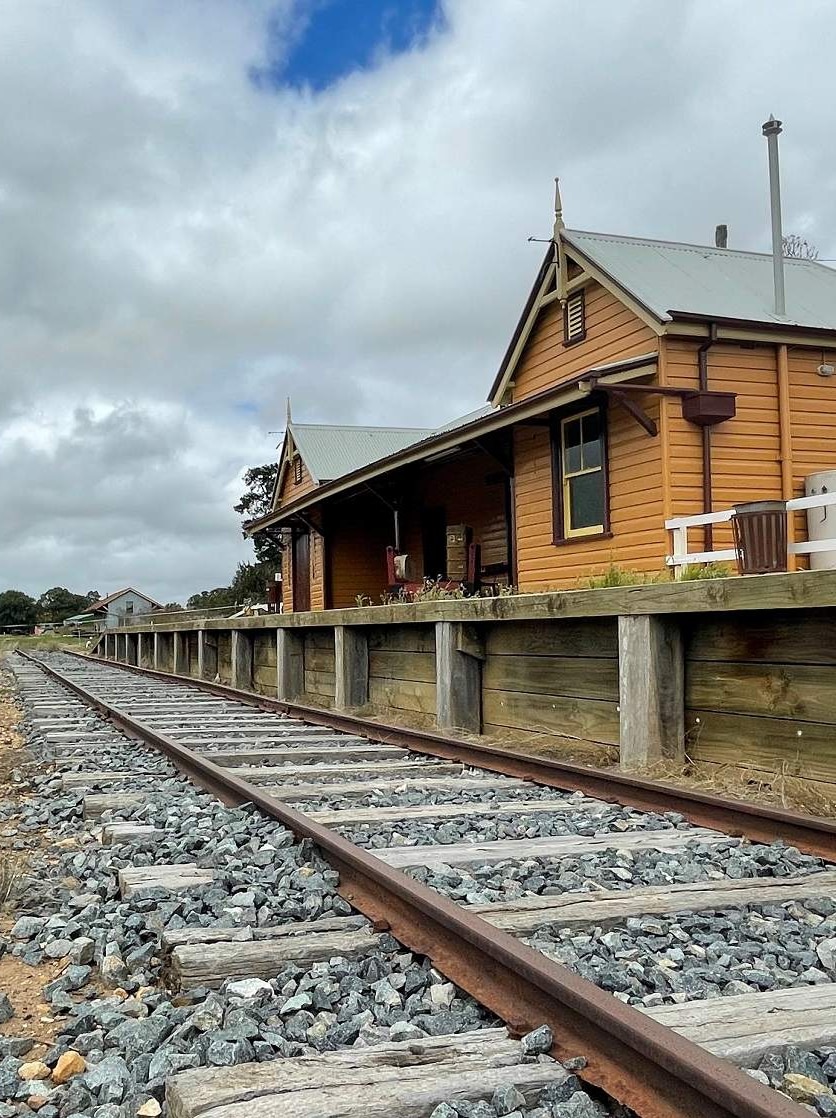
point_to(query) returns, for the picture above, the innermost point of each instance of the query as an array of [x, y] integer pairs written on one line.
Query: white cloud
[[179, 250]]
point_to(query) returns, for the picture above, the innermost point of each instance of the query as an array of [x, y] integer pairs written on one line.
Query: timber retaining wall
[[732, 671]]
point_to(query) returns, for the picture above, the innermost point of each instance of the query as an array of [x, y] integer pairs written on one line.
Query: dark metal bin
[[760, 537]]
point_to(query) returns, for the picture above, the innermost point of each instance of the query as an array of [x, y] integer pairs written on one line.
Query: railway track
[[686, 953]]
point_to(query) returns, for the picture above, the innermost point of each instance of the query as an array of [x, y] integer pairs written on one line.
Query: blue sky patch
[[336, 37]]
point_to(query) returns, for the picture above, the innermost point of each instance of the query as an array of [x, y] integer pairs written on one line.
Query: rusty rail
[[635, 1060]]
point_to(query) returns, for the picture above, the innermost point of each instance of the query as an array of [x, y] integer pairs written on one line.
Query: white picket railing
[[678, 527]]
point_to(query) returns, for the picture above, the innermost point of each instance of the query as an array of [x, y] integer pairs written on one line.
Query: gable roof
[[329, 451], [669, 278], [103, 603]]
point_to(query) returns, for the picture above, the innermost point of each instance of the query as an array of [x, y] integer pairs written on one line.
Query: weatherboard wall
[[613, 333], [637, 538]]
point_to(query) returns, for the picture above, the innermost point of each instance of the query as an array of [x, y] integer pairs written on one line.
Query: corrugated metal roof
[[329, 451], [667, 277]]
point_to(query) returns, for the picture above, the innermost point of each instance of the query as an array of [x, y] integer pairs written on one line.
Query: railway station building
[[645, 381]]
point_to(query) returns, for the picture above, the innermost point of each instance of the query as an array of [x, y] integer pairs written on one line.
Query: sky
[[209, 206]]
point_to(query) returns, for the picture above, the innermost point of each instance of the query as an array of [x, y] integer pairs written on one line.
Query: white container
[[821, 523]]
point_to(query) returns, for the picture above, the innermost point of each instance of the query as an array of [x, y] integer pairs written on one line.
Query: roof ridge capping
[[684, 246], [354, 427]]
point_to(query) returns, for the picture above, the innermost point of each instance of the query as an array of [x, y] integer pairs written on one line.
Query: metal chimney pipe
[[772, 130]]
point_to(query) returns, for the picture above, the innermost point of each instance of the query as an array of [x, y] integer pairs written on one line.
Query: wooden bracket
[[636, 410]]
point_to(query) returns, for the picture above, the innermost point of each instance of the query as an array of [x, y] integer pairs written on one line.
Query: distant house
[[112, 610], [645, 381]]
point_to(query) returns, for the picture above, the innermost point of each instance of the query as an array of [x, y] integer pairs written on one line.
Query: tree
[[93, 596], [250, 581], [212, 599], [797, 248], [257, 500], [17, 608], [57, 604], [172, 607]]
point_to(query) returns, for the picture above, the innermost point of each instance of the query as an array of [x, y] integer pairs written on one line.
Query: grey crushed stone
[[615, 869], [652, 960], [604, 819]]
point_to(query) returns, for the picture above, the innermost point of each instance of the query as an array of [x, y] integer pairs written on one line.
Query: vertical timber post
[[351, 666], [157, 653], [207, 654], [124, 656], [180, 665], [290, 665], [140, 650], [242, 660], [459, 654], [651, 691], [106, 643]]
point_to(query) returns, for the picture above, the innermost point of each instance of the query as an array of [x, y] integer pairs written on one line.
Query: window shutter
[[297, 469], [575, 321]]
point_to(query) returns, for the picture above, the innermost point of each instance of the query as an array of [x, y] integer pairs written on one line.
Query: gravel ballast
[[615, 869], [653, 960]]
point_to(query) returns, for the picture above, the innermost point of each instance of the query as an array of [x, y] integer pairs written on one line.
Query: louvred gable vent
[[575, 318]]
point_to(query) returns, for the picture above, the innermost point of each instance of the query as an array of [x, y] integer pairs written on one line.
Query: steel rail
[[754, 821], [638, 1062]]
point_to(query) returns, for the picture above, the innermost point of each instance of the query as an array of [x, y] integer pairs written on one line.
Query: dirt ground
[[33, 1016]]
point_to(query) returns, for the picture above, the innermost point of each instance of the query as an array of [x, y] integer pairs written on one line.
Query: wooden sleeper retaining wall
[[736, 671]]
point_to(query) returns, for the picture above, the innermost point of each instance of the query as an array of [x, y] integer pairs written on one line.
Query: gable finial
[[558, 209], [559, 254], [287, 410]]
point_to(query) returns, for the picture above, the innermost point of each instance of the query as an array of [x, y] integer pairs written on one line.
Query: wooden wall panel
[[613, 332], [358, 533], [556, 678], [264, 662], [638, 538], [745, 450], [317, 575], [293, 491], [812, 423], [264, 649], [760, 690], [402, 672], [287, 579], [225, 656], [320, 677], [317, 571]]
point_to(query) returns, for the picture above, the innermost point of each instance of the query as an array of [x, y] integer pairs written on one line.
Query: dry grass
[[11, 878], [49, 642], [409, 719], [741, 782]]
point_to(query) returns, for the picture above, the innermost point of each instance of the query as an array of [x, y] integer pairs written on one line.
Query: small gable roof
[[103, 603], [669, 278], [330, 451]]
